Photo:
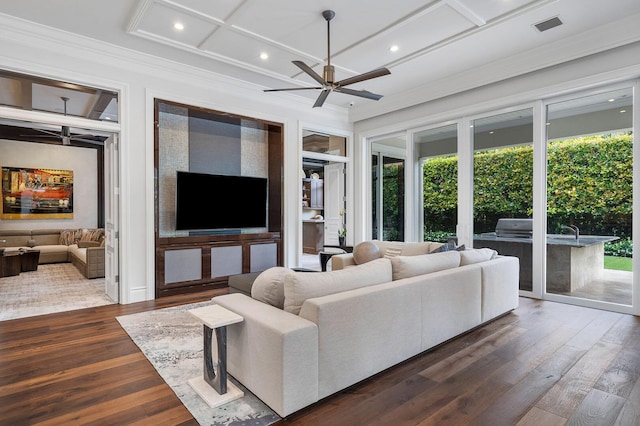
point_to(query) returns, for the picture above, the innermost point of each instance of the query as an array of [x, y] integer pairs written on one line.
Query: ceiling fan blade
[[361, 93], [362, 77], [322, 98], [306, 68], [292, 88]]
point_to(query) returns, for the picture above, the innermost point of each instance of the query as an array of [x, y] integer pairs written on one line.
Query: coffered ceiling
[[439, 43]]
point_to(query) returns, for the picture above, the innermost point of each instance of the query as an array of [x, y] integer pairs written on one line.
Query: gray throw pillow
[[448, 247]]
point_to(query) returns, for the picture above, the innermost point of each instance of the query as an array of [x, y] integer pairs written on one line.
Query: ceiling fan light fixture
[[327, 80]]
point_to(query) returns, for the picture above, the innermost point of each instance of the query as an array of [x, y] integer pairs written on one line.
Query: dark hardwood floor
[[544, 364]]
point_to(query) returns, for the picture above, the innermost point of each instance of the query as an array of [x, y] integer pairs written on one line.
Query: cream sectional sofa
[[308, 335], [60, 245]]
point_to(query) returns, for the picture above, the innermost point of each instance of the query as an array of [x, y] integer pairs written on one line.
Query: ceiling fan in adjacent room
[[65, 134], [327, 83]]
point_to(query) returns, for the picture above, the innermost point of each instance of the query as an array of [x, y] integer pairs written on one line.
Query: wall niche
[[198, 140]]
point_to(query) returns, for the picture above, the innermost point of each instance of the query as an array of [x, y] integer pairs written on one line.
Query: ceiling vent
[[548, 24]]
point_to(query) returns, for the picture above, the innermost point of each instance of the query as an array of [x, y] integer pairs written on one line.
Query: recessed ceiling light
[[394, 48], [622, 111], [178, 26], [264, 56], [611, 100], [491, 132]]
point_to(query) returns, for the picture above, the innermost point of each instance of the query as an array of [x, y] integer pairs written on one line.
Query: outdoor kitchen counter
[[571, 263]]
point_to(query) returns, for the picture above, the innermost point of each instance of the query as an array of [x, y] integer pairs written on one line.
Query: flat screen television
[[218, 202]]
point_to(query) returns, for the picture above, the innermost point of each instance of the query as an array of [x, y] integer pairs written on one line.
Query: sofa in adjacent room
[[307, 336], [82, 247]]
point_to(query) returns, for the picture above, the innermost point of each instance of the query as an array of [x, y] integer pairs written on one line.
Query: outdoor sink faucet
[[572, 228]]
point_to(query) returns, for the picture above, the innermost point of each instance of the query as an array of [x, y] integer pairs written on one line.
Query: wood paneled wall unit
[[194, 139]]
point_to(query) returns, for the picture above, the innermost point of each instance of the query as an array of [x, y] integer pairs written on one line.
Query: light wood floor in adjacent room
[[544, 364]]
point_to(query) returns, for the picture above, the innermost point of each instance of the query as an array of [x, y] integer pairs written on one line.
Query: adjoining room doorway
[[48, 123], [323, 195]]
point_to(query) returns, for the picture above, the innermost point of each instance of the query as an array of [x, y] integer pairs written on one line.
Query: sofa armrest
[[500, 286], [341, 261], [95, 262], [273, 353]]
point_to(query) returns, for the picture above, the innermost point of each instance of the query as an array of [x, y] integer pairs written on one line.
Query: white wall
[[140, 78], [81, 161]]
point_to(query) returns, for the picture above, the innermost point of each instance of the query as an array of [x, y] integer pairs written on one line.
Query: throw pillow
[[394, 249], [365, 251], [448, 247], [268, 287], [471, 256], [300, 286], [411, 266], [67, 237]]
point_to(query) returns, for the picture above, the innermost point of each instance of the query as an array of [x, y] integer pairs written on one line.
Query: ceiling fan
[[327, 83], [65, 134]]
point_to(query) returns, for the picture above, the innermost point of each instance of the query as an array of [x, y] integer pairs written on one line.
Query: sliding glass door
[[503, 187], [388, 189], [437, 151], [590, 197]]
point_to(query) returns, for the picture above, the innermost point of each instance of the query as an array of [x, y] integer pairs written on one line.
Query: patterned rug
[[55, 287], [171, 339]]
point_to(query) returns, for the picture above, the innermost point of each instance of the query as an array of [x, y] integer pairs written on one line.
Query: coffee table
[[10, 264], [29, 260]]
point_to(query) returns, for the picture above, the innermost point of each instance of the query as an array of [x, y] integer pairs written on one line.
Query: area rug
[[171, 339], [55, 287]]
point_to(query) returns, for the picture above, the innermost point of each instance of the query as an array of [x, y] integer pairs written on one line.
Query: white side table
[[213, 386]]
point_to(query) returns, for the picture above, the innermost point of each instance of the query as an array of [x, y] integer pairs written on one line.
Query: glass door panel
[[589, 197], [503, 187], [437, 150], [388, 189]]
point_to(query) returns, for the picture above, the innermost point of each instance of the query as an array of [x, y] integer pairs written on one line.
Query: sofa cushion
[[300, 286], [416, 249], [80, 253], [45, 237], [410, 266], [268, 287], [365, 251], [471, 256], [15, 238]]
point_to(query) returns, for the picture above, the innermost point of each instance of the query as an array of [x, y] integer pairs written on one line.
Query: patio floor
[[614, 287]]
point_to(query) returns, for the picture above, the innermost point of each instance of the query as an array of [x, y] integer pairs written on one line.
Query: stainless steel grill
[[514, 228]]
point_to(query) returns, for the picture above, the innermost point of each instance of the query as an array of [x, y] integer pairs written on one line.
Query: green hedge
[[589, 183]]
